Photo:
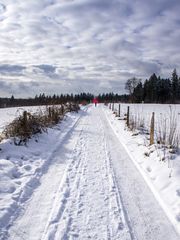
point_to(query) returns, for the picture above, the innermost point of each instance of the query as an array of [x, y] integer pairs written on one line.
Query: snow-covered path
[[92, 190]]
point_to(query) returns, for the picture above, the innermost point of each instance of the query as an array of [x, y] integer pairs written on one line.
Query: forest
[[152, 90]]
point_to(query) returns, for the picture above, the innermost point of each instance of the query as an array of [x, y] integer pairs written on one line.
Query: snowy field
[[167, 116], [145, 110], [88, 178], [162, 176]]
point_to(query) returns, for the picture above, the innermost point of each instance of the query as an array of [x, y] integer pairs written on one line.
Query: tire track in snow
[[92, 208], [145, 217], [62, 198], [112, 177]]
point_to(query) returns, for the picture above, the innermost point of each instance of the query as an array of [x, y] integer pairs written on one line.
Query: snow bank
[[22, 166], [163, 177]]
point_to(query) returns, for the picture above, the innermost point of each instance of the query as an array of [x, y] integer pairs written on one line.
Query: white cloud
[[77, 45]]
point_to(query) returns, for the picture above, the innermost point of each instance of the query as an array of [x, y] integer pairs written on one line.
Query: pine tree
[[138, 93], [175, 86]]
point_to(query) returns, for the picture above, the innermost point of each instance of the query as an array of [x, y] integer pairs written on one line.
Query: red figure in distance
[[95, 101]]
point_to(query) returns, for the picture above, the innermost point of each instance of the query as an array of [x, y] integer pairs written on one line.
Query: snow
[[85, 180], [163, 177], [165, 114], [22, 167]]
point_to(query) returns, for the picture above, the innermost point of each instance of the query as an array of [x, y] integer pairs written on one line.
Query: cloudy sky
[[56, 46]]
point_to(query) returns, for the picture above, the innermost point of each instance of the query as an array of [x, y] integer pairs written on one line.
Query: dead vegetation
[[167, 130], [137, 122], [27, 124], [162, 130]]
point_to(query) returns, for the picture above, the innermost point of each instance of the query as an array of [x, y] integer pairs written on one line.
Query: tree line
[[152, 90], [42, 99], [155, 89]]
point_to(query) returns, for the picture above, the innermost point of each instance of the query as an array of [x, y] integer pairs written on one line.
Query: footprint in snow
[[18, 182], [148, 169], [27, 167], [178, 192], [178, 217]]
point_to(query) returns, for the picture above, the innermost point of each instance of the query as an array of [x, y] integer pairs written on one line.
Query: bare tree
[[130, 85]]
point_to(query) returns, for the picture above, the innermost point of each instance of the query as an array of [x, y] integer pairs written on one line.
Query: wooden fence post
[[69, 108], [152, 130], [113, 107], [52, 114], [25, 122], [127, 121], [49, 112], [119, 113], [62, 110]]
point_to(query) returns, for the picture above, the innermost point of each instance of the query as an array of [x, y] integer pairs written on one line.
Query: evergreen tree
[[163, 90], [138, 93], [175, 86], [150, 89]]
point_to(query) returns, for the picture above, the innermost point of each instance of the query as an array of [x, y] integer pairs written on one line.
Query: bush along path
[[26, 125], [90, 190]]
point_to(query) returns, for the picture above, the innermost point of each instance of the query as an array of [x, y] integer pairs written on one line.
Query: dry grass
[[27, 124], [167, 130], [137, 122]]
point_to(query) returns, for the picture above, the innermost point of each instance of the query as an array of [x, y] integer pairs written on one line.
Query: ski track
[[90, 208], [92, 190]]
